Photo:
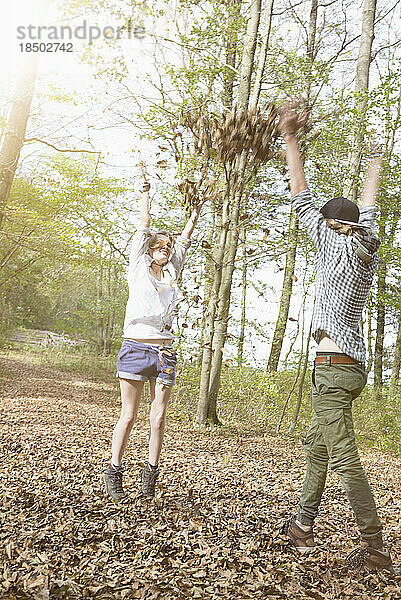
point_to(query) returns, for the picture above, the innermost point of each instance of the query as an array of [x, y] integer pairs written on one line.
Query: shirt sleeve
[[312, 218], [138, 245], [367, 217], [368, 235], [180, 249]]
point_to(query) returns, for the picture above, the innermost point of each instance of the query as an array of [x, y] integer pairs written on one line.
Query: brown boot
[[149, 477], [302, 540], [366, 557]]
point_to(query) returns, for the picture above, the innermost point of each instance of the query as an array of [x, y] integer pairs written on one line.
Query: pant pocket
[[350, 379], [333, 426]]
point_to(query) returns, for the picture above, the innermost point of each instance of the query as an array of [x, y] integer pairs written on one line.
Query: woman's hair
[[157, 239]]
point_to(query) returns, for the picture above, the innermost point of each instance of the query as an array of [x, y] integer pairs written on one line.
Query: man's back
[[343, 278]]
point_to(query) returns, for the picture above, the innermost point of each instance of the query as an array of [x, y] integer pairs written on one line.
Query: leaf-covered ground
[[212, 531]]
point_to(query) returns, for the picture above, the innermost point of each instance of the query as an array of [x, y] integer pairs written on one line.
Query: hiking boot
[[366, 557], [148, 479], [302, 540], [113, 479]]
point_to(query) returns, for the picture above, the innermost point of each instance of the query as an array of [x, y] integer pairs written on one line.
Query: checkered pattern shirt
[[343, 280]]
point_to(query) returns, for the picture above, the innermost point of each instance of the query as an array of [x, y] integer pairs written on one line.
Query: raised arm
[[144, 201], [290, 122], [371, 184], [190, 226]]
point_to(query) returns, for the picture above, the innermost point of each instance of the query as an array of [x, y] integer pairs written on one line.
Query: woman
[[146, 353]]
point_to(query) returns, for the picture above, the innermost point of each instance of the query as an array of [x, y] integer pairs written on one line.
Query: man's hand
[[292, 119], [373, 149]]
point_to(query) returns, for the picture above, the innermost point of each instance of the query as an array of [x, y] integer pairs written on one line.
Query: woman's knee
[[128, 418], [158, 418]]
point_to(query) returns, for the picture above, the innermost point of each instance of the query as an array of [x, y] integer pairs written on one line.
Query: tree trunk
[[215, 326], [241, 338], [14, 135], [99, 307], [262, 57], [209, 320], [286, 291], [301, 383], [223, 303], [361, 91], [214, 228], [380, 324], [369, 335], [395, 373], [234, 8], [248, 54]]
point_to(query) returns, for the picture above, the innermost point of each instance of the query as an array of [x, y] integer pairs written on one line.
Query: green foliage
[[250, 398], [63, 250]]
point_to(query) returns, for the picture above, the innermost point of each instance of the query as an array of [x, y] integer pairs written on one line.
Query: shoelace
[[150, 478], [285, 526], [356, 559], [117, 481]]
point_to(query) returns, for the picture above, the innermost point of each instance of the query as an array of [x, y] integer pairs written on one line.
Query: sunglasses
[[161, 245]]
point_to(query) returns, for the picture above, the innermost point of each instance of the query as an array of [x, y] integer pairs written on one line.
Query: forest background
[[75, 125]]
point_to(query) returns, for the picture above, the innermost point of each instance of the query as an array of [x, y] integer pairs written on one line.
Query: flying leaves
[[254, 130]]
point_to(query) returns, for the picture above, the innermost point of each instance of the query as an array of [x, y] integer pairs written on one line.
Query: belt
[[336, 360]]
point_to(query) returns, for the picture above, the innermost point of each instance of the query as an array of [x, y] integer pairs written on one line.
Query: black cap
[[342, 210]]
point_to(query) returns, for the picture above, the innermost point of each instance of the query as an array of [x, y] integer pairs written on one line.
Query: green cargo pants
[[331, 437]]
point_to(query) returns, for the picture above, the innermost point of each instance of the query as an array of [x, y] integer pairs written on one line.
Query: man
[[147, 353], [345, 265]]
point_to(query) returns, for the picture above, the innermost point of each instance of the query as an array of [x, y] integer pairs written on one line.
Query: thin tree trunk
[[286, 291], [361, 91], [380, 324], [209, 320], [395, 373], [301, 383], [99, 302], [234, 8], [14, 135], [223, 304], [262, 56], [214, 228], [241, 338], [248, 54], [216, 315], [369, 334]]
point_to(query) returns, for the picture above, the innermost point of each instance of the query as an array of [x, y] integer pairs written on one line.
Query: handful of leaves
[[253, 130], [196, 192]]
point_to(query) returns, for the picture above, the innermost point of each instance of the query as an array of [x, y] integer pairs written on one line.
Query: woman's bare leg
[[160, 395], [131, 392]]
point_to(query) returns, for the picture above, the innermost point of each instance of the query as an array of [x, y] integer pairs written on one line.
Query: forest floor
[[212, 531]]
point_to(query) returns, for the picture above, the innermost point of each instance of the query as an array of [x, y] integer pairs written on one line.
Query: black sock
[[152, 467]]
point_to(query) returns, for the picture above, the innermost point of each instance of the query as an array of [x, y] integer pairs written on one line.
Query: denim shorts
[[142, 362]]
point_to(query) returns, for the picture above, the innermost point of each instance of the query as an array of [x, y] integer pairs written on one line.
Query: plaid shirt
[[343, 280]]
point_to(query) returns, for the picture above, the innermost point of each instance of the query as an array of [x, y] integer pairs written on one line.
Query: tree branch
[[34, 139]]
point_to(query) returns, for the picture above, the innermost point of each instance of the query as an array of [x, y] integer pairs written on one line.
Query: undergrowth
[[250, 399]]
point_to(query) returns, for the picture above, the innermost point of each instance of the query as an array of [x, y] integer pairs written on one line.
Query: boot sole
[[304, 549]]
